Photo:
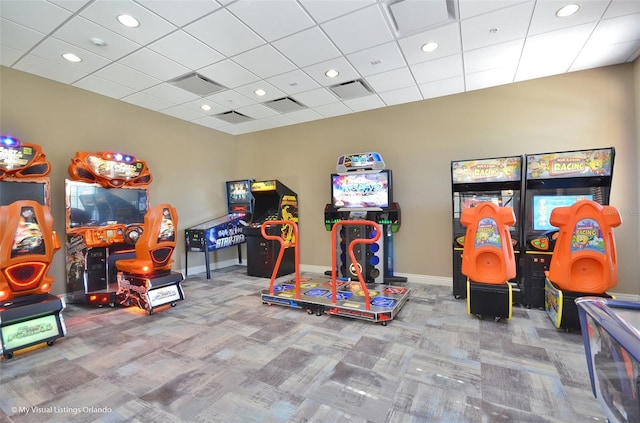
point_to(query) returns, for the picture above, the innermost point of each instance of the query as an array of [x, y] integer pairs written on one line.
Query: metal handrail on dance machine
[[283, 245]]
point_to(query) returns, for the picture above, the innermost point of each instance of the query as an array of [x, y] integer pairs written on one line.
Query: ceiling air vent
[[410, 16], [285, 105], [197, 84], [351, 89], [233, 117]]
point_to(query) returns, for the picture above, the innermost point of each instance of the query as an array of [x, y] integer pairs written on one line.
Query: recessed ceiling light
[[128, 20], [260, 92], [72, 57], [332, 73], [205, 107], [429, 47], [567, 10]]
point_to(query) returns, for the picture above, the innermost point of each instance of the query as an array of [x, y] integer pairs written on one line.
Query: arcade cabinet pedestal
[[262, 255]]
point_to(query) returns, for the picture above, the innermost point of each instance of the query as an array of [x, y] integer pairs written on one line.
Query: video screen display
[[167, 230], [543, 205], [94, 205], [28, 237], [11, 191], [239, 191], [361, 190]]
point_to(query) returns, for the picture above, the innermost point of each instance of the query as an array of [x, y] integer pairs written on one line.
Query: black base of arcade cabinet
[[29, 321], [150, 292], [262, 255], [561, 306], [489, 300]]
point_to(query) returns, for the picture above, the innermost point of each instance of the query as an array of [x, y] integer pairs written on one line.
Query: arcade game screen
[[11, 191], [503, 198], [239, 192], [28, 236], [94, 205], [166, 227], [543, 205], [361, 190]]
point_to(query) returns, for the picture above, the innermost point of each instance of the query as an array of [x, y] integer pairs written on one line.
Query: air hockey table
[[611, 334]]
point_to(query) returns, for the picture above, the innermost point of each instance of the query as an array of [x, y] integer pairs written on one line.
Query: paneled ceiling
[[261, 64]]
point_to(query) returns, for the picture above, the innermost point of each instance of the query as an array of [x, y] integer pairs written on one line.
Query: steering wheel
[[132, 233]]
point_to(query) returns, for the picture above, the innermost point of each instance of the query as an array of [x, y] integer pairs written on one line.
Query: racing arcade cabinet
[[224, 231], [272, 201], [29, 313], [362, 189], [556, 180], [498, 181]]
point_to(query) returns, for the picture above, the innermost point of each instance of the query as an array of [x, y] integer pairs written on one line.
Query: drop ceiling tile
[[307, 47], [364, 103], [370, 25], [180, 12], [71, 5], [264, 61], [497, 56], [325, 10], [186, 50], [48, 69], [442, 88], [278, 120], [305, 115], [105, 13], [272, 19], [496, 27], [316, 98], [147, 101], [593, 56], [53, 49], [104, 87], [230, 99], [253, 126], [293, 82], [17, 36], [377, 59], [79, 32], [409, 17], [347, 72], [126, 76], [154, 64], [183, 113], [470, 8], [447, 37], [392, 80], [490, 78], [272, 92], [171, 93], [435, 70], [196, 106], [8, 55], [333, 109], [229, 74], [256, 111], [616, 30], [544, 15], [39, 15], [225, 33], [400, 96], [622, 7]]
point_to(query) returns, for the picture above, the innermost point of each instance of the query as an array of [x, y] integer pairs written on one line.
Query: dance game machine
[[378, 303], [611, 335], [498, 181], [108, 214], [272, 201], [362, 189], [224, 231], [29, 313], [556, 180]]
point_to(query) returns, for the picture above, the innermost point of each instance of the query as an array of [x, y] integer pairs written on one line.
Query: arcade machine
[[272, 201], [584, 261], [556, 180], [611, 335], [496, 180], [29, 313], [362, 189], [224, 231], [378, 303], [488, 260], [107, 198]]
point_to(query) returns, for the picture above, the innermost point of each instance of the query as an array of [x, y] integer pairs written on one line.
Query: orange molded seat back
[[154, 248], [27, 245], [584, 258], [487, 256]]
